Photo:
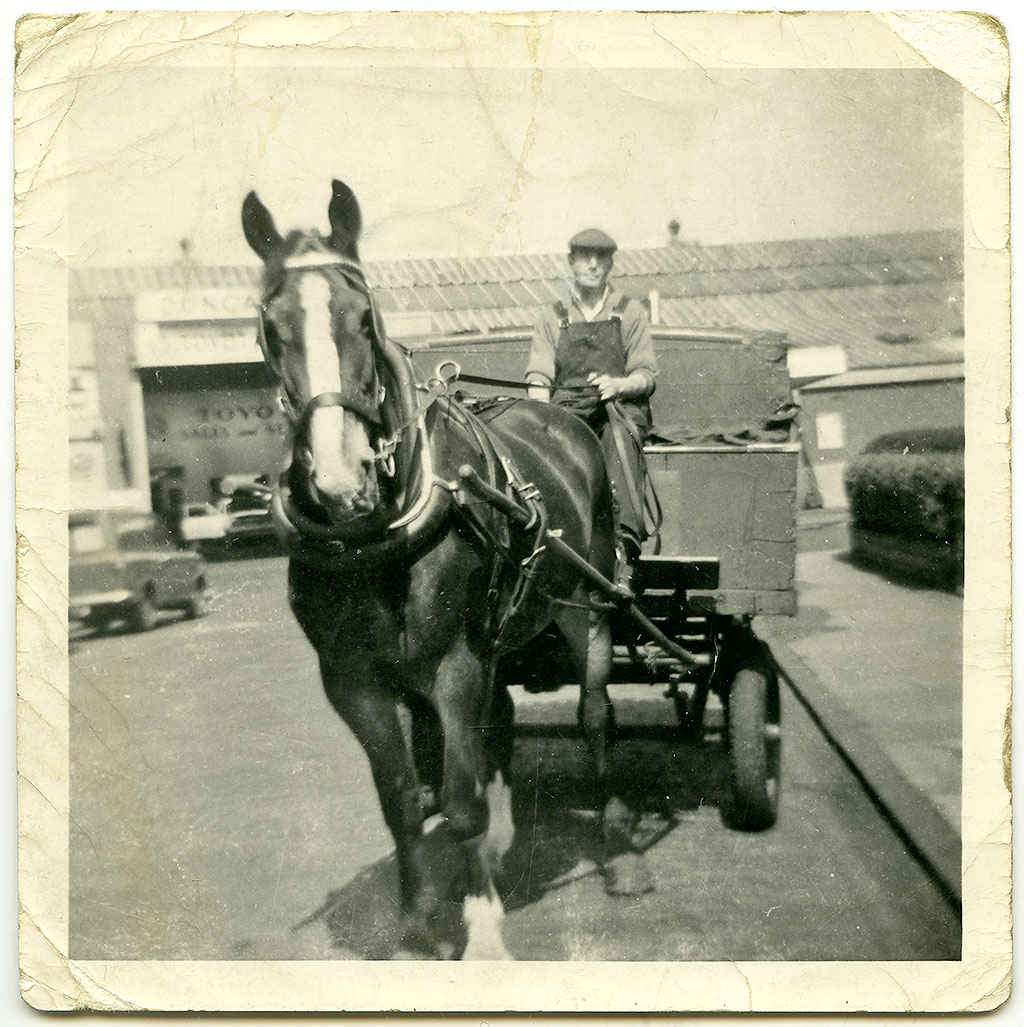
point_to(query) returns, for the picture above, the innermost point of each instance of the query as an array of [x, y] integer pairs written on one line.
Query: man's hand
[[635, 386], [608, 387]]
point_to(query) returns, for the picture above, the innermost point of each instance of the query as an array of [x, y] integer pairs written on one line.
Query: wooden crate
[[736, 503]]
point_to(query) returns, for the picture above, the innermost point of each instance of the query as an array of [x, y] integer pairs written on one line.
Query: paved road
[[220, 810]]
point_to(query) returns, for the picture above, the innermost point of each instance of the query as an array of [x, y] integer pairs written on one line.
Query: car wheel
[[199, 605], [97, 621], [143, 615]]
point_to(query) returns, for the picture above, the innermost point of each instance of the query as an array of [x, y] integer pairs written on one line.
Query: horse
[[408, 589]]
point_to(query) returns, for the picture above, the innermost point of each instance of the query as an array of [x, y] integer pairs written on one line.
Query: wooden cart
[[724, 464]]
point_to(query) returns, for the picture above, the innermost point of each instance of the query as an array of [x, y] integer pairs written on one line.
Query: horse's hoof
[[483, 916], [628, 874], [492, 950], [408, 954]]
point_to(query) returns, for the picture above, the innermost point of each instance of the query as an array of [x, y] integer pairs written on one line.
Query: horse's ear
[[346, 220], [258, 226]]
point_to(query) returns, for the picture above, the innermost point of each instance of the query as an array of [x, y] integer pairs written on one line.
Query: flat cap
[[592, 239]]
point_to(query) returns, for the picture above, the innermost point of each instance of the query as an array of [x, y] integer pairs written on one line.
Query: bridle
[[423, 498], [365, 403]]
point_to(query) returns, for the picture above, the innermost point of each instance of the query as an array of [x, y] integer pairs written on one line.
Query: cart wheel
[[755, 744]]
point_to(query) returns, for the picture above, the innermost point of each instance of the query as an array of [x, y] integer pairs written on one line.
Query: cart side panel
[[737, 504], [710, 385]]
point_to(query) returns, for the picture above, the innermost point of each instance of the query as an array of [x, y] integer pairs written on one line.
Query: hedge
[[919, 440], [909, 492]]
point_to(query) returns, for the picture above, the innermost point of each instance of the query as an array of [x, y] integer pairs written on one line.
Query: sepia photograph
[[502, 489]]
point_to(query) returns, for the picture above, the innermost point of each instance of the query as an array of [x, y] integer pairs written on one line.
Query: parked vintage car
[[128, 567], [203, 522], [248, 511]]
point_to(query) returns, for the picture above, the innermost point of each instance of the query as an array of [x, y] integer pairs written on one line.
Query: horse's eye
[[367, 324]]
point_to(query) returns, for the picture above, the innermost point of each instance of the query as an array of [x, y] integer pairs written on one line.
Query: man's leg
[[628, 494]]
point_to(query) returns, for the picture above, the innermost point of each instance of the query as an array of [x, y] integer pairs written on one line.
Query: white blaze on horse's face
[[342, 457]]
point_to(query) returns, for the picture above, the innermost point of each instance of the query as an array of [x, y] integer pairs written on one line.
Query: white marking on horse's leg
[[501, 830], [323, 368], [484, 916]]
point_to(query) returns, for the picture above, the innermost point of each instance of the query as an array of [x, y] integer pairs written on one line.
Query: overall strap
[[620, 308], [562, 314]]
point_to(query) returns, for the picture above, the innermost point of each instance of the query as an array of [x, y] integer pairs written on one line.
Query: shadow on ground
[[557, 838], [242, 549], [915, 579]]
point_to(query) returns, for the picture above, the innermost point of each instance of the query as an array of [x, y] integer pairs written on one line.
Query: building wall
[[838, 423], [107, 444], [213, 423]]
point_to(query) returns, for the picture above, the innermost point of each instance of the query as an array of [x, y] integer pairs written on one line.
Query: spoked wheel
[[755, 743]]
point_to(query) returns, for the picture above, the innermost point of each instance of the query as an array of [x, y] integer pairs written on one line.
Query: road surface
[[220, 810]]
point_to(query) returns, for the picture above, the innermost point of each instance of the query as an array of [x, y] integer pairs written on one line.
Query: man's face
[[590, 268]]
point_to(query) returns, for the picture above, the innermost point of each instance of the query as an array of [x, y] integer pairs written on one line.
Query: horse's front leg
[[371, 713], [475, 794]]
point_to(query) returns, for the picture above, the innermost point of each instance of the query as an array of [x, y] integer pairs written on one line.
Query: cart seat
[[681, 573]]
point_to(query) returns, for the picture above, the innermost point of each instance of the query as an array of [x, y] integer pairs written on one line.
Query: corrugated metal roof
[[854, 318], [679, 270], [843, 291]]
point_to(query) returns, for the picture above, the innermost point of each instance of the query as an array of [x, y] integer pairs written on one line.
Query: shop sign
[[196, 305], [184, 344]]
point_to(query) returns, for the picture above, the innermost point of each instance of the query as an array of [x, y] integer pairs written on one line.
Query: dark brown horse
[[408, 589]]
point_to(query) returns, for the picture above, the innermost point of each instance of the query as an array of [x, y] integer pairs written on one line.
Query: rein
[[508, 383]]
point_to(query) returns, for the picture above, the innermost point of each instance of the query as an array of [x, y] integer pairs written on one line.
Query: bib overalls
[[595, 347]]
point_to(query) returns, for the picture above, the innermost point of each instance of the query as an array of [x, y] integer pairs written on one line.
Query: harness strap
[[433, 391], [362, 405], [503, 477]]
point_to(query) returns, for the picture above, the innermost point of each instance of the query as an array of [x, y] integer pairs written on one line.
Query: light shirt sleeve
[[540, 366], [637, 344]]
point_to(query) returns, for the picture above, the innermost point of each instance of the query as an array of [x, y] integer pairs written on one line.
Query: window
[[831, 430], [141, 533]]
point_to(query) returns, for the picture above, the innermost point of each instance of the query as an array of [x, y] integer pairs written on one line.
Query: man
[[592, 352]]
